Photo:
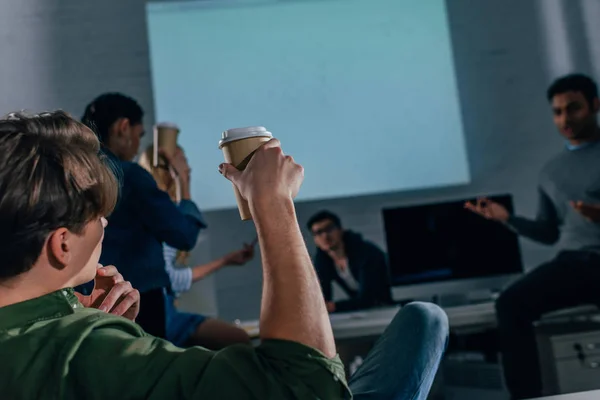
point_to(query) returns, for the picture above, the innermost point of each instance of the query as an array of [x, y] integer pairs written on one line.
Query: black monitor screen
[[443, 241]]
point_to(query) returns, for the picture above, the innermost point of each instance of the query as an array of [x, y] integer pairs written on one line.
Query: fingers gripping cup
[[238, 147], [165, 138]]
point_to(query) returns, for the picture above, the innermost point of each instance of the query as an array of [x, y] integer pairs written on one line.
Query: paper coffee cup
[[238, 146], [165, 138]]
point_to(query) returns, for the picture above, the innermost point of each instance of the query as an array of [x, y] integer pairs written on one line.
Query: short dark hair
[[323, 216], [106, 109], [52, 175], [574, 83]]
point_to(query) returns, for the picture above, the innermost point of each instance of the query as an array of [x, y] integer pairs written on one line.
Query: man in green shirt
[[55, 190]]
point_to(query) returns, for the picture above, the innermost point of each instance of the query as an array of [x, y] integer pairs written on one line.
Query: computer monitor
[[443, 248]]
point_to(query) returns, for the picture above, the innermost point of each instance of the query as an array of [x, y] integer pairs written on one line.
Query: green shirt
[[52, 347]]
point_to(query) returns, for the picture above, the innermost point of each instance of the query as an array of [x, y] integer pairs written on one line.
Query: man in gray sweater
[[569, 212]]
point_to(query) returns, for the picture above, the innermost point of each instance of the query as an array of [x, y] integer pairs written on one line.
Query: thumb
[[230, 172]]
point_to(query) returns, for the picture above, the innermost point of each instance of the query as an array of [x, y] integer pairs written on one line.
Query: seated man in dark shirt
[[357, 265]]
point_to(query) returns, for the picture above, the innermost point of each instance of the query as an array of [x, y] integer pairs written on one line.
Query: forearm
[[540, 231], [292, 304], [202, 271]]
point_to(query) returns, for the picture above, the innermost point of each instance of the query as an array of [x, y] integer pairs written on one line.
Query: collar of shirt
[[50, 306], [573, 147]]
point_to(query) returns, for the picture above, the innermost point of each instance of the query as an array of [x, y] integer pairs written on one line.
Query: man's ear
[[59, 248], [122, 127], [596, 105]]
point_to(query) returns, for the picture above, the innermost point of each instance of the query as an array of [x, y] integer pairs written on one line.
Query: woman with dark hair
[[145, 217]]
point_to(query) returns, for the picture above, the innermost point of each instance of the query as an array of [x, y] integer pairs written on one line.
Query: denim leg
[[404, 361]]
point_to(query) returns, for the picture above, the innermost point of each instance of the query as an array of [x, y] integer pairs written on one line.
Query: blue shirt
[[573, 147], [144, 219]]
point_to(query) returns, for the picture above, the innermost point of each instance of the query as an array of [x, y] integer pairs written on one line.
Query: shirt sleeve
[[176, 225], [111, 364], [180, 276], [545, 227]]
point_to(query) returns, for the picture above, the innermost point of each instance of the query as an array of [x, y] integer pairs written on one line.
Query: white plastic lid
[[232, 135], [167, 125]]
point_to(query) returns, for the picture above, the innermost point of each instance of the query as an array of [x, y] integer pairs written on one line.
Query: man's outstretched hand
[[240, 257], [589, 211], [488, 209], [112, 294]]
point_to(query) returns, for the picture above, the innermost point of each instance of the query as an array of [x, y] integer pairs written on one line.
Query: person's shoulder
[[91, 319], [136, 175], [321, 260], [69, 331], [130, 167], [373, 248], [56, 341], [356, 240]]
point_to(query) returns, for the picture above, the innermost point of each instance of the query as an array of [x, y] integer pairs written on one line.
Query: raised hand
[[240, 257], [591, 212], [488, 209], [178, 162], [270, 175]]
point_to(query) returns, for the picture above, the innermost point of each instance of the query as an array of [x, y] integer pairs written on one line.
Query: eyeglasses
[[326, 229]]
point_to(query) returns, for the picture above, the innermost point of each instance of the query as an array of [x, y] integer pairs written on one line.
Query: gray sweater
[[571, 175]]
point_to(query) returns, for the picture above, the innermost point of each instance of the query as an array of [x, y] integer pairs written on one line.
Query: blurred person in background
[[569, 211], [144, 217], [358, 266]]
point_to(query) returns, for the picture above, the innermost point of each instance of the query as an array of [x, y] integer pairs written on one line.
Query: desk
[[593, 395], [373, 322]]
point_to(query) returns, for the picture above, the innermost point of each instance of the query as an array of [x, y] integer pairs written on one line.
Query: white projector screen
[[361, 92]]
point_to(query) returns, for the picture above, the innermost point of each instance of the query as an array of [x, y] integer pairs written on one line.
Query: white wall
[[60, 54], [504, 64]]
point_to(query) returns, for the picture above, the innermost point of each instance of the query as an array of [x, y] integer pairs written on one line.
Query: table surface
[[374, 322], [593, 395]]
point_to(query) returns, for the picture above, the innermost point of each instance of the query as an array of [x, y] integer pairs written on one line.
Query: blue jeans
[[404, 361]]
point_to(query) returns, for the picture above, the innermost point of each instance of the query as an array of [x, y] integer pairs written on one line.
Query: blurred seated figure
[[144, 217], [357, 265]]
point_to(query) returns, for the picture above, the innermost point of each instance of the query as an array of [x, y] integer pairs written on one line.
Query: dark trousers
[[152, 316], [569, 280]]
